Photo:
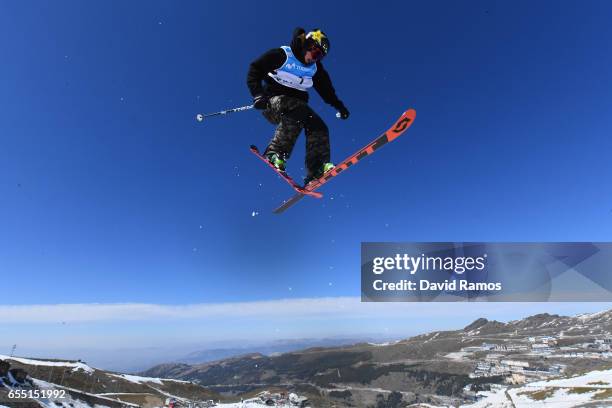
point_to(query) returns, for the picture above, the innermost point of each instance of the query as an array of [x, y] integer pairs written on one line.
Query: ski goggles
[[316, 53]]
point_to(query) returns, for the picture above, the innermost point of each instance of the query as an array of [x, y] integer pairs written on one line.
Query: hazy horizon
[[129, 337]]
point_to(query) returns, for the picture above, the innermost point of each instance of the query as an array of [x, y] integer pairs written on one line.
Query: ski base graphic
[[398, 128]]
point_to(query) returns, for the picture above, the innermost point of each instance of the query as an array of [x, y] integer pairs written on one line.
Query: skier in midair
[[288, 72]]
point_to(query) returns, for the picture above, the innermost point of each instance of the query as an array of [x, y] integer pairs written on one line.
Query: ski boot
[[324, 169], [277, 160]]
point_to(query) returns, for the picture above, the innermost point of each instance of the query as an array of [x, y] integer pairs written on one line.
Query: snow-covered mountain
[[541, 360], [27, 382], [446, 367]]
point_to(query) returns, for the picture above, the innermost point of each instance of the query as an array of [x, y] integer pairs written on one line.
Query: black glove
[[344, 113], [260, 102]]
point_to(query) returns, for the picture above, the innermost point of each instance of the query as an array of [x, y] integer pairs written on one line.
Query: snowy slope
[[559, 398], [594, 379], [496, 398], [592, 387], [67, 400], [74, 366], [139, 380]]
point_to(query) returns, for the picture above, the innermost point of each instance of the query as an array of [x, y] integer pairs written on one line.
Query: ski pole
[[201, 116]]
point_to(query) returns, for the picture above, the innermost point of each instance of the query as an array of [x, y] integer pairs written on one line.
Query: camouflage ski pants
[[291, 115]]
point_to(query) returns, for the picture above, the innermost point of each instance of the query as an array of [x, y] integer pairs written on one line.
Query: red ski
[[398, 128], [300, 190]]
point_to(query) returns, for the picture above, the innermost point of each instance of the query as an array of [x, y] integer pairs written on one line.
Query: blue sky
[[112, 193]]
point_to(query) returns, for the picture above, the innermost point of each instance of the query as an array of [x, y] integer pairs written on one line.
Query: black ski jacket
[[274, 59]]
